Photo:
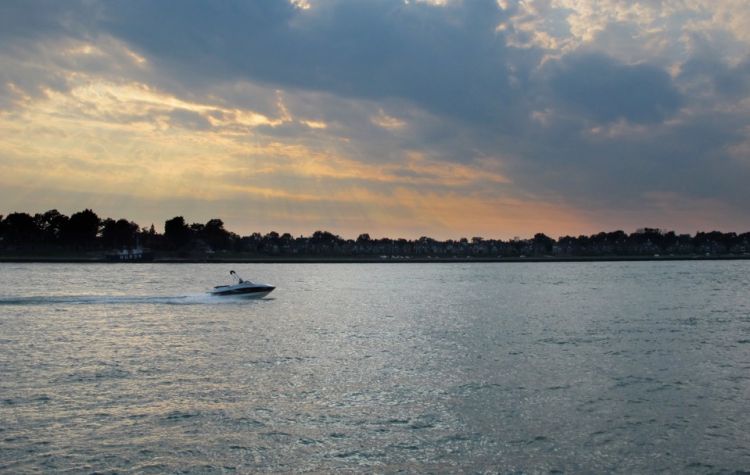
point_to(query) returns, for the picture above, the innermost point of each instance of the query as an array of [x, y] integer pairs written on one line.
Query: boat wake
[[193, 299]]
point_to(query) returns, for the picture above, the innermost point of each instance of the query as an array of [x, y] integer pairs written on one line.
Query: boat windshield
[[236, 277]]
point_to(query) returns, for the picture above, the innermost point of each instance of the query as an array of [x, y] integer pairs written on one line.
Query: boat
[[242, 288], [137, 254]]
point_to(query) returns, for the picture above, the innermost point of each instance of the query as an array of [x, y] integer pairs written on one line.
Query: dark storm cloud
[[31, 19], [448, 60], [445, 59], [732, 82], [621, 165], [606, 90]]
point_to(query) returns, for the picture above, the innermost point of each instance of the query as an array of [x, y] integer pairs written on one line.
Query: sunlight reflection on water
[[594, 367]]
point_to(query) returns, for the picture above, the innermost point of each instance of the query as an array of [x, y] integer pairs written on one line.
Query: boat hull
[[253, 291]]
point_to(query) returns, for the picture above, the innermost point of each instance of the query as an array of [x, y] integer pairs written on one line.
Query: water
[[537, 368]]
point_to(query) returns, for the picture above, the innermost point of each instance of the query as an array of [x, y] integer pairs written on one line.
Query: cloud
[[592, 107], [706, 75], [22, 20], [189, 119], [606, 90], [447, 59]]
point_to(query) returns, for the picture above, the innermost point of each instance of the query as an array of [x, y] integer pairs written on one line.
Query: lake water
[[563, 367]]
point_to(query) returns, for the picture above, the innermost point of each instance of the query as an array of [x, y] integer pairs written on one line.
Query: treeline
[[85, 231]]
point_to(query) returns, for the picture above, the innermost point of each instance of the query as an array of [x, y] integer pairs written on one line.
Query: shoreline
[[362, 260]]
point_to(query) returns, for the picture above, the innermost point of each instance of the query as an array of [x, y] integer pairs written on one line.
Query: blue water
[[568, 367]]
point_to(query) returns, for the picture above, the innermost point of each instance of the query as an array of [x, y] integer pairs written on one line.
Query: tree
[[215, 235], [177, 232], [21, 229], [324, 237], [149, 238], [52, 225], [543, 243], [196, 230], [82, 228], [119, 234]]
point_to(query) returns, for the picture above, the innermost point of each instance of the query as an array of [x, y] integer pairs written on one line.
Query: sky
[[448, 119]]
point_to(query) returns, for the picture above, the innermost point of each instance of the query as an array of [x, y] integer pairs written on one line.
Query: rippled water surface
[[579, 367]]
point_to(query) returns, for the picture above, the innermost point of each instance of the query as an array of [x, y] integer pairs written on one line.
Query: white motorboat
[[242, 288]]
